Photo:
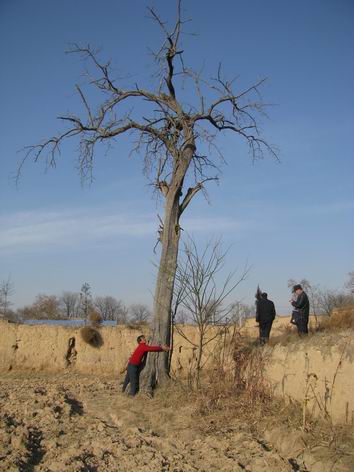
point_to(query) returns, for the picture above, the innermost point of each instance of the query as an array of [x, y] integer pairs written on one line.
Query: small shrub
[[91, 336]]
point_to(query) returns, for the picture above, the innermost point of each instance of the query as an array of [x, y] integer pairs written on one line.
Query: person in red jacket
[[136, 363]]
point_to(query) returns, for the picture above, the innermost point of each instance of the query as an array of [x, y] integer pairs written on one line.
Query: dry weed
[[91, 336], [341, 318], [242, 387], [243, 397], [287, 334], [138, 326]]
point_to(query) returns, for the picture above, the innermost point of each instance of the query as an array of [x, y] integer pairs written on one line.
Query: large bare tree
[[177, 139]]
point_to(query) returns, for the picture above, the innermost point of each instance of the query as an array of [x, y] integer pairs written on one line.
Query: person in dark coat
[[136, 364], [265, 314], [302, 309]]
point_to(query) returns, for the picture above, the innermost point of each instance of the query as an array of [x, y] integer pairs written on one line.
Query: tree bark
[[157, 367]]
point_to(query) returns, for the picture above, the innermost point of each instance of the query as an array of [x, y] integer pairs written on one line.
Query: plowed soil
[[70, 422]]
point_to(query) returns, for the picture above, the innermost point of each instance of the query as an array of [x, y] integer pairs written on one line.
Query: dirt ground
[[70, 422]]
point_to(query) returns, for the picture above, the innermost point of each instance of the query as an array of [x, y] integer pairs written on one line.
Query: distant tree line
[[72, 305], [79, 305]]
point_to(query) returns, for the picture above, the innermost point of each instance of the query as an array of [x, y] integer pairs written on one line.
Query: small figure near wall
[[301, 304]]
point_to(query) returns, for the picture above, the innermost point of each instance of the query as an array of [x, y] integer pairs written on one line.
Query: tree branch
[[191, 192]]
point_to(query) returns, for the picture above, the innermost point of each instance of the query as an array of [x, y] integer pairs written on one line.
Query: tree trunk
[[200, 353], [157, 366]]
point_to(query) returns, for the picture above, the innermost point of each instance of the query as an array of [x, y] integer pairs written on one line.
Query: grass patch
[[241, 399], [341, 318]]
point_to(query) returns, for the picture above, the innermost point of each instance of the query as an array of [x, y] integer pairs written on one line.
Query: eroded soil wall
[[317, 371]]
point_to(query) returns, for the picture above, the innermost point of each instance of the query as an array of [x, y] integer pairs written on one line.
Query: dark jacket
[[265, 312], [302, 304]]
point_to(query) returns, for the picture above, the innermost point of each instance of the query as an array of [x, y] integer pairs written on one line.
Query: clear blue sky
[[288, 219]]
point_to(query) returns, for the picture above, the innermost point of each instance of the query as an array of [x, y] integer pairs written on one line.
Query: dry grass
[[237, 398], [341, 318], [241, 398], [138, 326], [286, 334], [240, 387]]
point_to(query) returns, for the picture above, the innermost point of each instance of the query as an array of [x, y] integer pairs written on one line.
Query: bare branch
[[191, 192]]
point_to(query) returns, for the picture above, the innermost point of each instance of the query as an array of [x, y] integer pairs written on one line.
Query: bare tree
[[240, 313], [350, 283], [111, 309], [176, 136], [198, 293], [85, 300], [70, 302], [6, 291], [139, 313], [182, 317], [45, 307], [123, 314], [329, 300]]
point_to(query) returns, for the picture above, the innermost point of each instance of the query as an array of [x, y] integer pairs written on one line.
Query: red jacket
[[139, 352]]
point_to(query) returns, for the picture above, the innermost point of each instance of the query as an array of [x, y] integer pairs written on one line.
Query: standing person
[[136, 363], [295, 312], [302, 307], [265, 315]]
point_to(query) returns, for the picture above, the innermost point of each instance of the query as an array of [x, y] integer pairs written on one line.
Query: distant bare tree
[[181, 317], [70, 302], [199, 294], [175, 130], [85, 300], [45, 307], [350, 283], [329, 300], [110, 308], [139, 313], [6, 291], [240, 312], [123, 314]]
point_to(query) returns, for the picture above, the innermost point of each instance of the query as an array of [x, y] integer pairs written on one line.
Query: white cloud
[[37, 230]]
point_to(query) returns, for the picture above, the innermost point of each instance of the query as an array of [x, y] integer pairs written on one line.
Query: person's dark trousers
[[133, 372], [264, 331], [302, 325], [126, 382]]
